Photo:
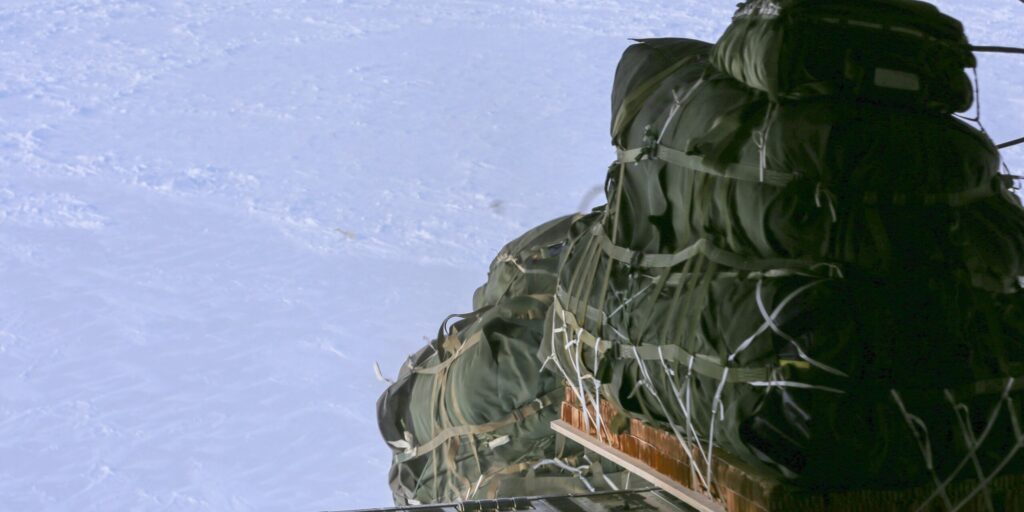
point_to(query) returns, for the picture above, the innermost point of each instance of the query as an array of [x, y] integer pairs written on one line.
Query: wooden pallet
[[658, 457]]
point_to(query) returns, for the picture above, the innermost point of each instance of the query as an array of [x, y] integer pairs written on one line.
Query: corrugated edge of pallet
[[639, 468], [737, 486], [743, 489]]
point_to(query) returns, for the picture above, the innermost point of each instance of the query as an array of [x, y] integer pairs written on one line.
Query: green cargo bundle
[[882, 189], [889, 51], [468, 417], [527, 265], [805, 261], [824, 284], [793, 370]]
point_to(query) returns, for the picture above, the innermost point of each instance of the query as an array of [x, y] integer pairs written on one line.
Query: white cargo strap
[[702, 363], [499, 441]]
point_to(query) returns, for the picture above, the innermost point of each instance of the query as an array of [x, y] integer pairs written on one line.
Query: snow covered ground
[[215, 216]]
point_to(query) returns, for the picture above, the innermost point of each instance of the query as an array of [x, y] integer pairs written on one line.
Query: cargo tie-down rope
[[973, 444], [995, 49], [570, 338]]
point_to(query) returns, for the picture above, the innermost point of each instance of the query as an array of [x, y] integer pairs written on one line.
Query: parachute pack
[[904, 53], [468, 417]]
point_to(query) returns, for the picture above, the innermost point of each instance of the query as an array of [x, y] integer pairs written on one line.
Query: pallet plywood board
[[737, 487], [638, 468]]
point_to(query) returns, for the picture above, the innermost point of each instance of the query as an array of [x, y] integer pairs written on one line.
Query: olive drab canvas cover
[[809, 179], [823, 285], [527, 265], [468, 417], [901, 52]]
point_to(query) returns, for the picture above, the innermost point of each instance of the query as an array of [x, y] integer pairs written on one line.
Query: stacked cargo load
[[808, 261], [468, 417]]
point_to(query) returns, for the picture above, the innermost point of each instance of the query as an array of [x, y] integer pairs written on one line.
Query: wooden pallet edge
[[637, 467]]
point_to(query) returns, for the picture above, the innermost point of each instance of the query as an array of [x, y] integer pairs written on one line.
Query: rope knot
[[821, 191], [649, 149]]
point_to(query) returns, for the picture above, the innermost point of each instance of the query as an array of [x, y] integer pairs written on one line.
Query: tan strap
[[744, 172], [515, 416], [542, 300], [634, 102], [735, 171], [703, 364], [707, 249], [954, 199], [438, 368]]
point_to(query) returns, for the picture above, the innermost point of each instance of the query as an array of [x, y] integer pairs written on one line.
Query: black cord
[[1013, 142], [998, 49]]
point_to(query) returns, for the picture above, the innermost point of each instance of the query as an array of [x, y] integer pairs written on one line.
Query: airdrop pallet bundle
[[807, 270], [803, 293]]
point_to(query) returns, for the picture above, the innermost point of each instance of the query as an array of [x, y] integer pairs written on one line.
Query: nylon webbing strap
[[752, 173], [954, 199], [680, 278], [490, 482], [633, 102], [625, 255], [472, 340], [736, 171], [703, 364], [516, 416], [515, 485], [594, 315], [542, 300], [573, 324], [986, 387], [703, 247]]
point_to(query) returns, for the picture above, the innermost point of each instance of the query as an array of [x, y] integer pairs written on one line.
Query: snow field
[[215, 216]]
